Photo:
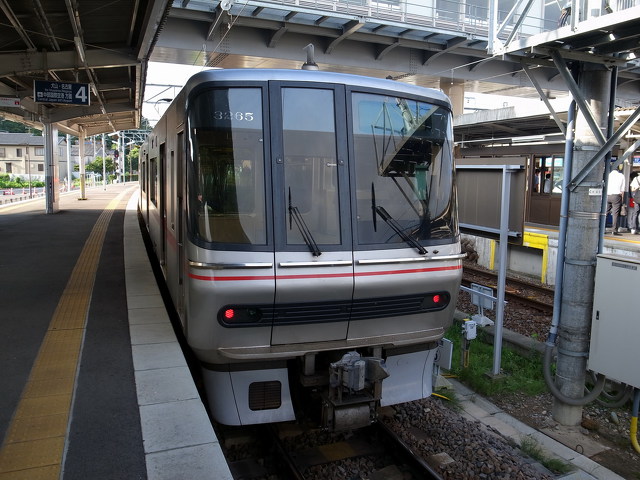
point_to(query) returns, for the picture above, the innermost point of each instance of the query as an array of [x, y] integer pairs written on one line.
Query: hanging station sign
[[61, 92], [9, 102]]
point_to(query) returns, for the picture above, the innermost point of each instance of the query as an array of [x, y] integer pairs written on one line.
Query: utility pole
[[582, 240]]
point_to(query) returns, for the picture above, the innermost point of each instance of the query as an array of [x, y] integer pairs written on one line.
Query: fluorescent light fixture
[[532, 138]]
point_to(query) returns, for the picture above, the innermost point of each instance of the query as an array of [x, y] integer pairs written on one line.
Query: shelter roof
[[102, 44]]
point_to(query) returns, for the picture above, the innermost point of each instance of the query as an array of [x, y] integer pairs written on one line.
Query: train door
[[172, 265], [311, 219], [180, 225], [144, 194], [162, 254]]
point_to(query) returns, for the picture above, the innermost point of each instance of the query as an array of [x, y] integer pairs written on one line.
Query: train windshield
[[403, 171], [226, 171], [398, 170], [310, 167]]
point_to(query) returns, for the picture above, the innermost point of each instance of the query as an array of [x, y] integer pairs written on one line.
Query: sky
[[164, 81]]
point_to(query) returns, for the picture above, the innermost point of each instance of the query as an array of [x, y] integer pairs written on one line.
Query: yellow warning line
[[35, 440]]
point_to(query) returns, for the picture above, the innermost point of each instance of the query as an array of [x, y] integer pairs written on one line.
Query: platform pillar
[[454, 89], [582, 239], [52, 187]]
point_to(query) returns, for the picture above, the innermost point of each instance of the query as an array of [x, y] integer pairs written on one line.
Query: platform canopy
[[101, 46], [432, 43]]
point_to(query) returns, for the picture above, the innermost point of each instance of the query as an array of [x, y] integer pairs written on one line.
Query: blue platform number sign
[[61, 92]]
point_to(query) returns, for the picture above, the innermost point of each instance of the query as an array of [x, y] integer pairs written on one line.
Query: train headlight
[[231, 315]]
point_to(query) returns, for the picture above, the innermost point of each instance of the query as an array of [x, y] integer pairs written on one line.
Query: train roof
[[255, 74]]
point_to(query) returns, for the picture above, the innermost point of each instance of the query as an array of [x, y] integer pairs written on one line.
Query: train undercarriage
[[336, 390]]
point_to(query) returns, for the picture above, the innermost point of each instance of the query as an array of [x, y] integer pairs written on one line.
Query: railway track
[[517, 290], [309, 454]]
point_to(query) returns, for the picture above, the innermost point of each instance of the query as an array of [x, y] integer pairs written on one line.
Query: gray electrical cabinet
[[615, 324]]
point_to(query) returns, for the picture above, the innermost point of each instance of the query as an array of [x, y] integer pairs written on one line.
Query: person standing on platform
[[536, 180], [615, 192], [634, 193]]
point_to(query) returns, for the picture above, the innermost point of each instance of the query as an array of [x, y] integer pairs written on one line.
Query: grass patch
[[449, 397], [532, 448], [520, 374]]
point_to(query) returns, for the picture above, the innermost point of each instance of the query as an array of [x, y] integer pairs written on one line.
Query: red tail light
[[239, 315]]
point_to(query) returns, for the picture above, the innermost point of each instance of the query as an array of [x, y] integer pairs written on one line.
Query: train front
[[324, 254]]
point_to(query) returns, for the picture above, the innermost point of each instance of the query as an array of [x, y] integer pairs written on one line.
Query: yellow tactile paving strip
[[34, 445]]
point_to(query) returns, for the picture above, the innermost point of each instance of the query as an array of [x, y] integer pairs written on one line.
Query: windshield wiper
[[396, 228], [294, 214]]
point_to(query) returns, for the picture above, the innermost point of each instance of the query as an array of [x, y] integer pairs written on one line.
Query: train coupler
[[355, 388]]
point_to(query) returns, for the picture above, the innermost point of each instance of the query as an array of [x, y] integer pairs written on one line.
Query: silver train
[[306, 225]]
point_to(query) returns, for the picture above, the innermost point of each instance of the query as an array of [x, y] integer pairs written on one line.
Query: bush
[[18, 182]]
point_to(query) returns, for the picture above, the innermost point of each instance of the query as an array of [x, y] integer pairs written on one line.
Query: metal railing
[[461, 16], [446, 15]]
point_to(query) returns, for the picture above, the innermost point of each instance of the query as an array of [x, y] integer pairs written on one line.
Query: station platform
[[95, 384], [538, 254]]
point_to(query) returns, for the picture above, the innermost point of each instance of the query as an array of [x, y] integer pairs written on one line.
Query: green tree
[[133, 159], [96, 166], [145, 125]]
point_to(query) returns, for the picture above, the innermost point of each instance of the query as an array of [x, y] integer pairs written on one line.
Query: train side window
[[551, 172], [153, 181], [558, 174], [143, 176], [226, 173]]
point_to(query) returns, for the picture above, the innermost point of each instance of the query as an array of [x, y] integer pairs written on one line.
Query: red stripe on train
[[326, 275]]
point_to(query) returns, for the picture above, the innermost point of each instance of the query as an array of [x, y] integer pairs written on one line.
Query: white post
[[69, 177], [123, 158], [502, 272], [104, 165], [83, 180]]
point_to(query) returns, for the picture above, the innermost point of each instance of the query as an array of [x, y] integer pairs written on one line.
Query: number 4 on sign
[[81, 94]]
